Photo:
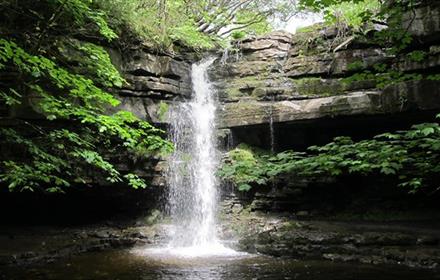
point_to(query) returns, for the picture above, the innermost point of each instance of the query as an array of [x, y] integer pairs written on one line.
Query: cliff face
[[155, 81], [316, 76]]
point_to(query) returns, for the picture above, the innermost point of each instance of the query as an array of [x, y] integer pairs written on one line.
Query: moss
[[163, 111], [244, 86], [234, 92], [355, 65], [318, 86]]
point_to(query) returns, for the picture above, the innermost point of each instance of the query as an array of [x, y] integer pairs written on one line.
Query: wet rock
[[302, 214], [101, 234], [427, 240]]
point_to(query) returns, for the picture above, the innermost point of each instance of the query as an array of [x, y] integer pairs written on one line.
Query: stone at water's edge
[[281, 235], [39, 245]]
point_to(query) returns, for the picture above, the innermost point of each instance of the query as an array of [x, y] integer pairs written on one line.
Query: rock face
[[154, 82], [317, 74], [407, 96], [354, 242]]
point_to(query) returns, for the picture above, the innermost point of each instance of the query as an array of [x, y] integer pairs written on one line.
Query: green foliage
[[159, 23], [163, 110], [237, 35], [383, 77], [356, 65], [11, 97], [92, 60], [190, 36], [307, 29], [433, 77], [200, 25], [254, 23], [81, 13], [358, 17], [319, 5], [417, 56], [244, 167], [65, 81], [411, 156], [352, 14], [135, 181]]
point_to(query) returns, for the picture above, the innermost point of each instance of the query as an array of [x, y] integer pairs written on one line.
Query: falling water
[[271, 127], [191, 176], [225, 57]]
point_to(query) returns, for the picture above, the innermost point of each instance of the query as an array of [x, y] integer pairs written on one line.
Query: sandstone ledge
[[404, 97]]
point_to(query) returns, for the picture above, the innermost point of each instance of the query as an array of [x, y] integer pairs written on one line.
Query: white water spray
[[191, 176]]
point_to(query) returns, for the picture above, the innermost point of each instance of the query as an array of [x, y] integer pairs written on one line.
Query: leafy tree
[[226, 16], [199, 24], [355, 15], [51, 62], [160, 24]]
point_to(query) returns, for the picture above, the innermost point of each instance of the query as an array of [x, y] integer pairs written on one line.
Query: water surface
[[126, 265]]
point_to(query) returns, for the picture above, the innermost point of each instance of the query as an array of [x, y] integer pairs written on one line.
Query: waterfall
[[192, 200]]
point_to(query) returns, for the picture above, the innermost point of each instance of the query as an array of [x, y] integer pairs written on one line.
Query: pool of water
[[131, 265]]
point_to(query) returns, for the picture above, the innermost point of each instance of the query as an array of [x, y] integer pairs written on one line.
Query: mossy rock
[[319, 86], [163, 111], [243, 87]]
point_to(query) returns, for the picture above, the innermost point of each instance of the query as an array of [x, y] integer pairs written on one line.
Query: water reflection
[[124, 265]]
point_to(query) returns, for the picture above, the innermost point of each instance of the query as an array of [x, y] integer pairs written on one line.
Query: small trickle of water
[[191, 175], [271, 126], [225, 56]]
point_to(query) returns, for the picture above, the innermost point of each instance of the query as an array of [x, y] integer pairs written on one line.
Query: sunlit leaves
[[244, 167], [135, 181], [352, 14], [81, 12], [66, 81]]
